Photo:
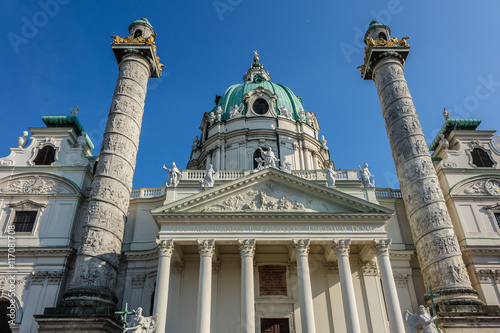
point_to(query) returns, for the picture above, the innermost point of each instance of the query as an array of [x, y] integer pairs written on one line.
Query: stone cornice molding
[[301, 246], [206, 247], [142, 255], [479, 251], [165, 247], [290, 217], [42, 252], [341, 247], [247, 247]]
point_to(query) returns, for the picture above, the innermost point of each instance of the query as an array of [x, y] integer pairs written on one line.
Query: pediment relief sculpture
[[36, 184], [253, 200], [479, 186]]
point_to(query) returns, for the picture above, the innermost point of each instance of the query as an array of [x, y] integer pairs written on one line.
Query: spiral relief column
[[98, 256], [436, 243]]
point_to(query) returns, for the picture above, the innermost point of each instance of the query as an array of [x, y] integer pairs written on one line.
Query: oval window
[[260, 106]]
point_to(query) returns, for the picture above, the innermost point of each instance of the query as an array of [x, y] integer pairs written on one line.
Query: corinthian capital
[[247, 247], [206, 247], [341, 246], [381, 246], [165, 247], [301, 246]]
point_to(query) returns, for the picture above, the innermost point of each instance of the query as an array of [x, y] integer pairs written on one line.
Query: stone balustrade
[[194, 176]]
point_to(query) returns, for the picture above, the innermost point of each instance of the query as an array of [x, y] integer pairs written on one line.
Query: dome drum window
[[260, 102]]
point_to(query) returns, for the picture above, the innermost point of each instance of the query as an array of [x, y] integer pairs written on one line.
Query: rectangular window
[[24, 221], [497, 217]]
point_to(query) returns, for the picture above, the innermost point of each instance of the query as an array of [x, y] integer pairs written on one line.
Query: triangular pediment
[[269, 192]]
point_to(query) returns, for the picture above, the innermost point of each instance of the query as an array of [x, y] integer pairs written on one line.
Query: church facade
[[259, 233]]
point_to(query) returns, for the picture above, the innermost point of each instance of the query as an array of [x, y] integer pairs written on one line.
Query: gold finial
[[256, 58]]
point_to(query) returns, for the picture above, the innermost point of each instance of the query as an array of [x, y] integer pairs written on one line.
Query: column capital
[[301, 246], [341, 246], [247, 247], [369, 267], [165, 247], [206, 247], [381, 246]]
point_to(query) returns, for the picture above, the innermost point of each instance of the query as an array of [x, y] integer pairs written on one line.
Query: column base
[[460, 296], [469, 318], [79, 319]]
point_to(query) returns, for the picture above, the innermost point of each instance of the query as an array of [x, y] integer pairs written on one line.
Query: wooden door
[[274, 325]]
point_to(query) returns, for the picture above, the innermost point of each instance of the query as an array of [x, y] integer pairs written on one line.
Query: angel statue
[[141, 324], [424, 319], [236, 110]]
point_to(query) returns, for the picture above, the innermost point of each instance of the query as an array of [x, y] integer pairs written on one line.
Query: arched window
[[4, 311], [257, 156], [382, 35], [480, 158], [45, 156], [138, 33]]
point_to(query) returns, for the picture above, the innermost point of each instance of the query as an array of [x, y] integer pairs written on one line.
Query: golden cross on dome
[[256, 58]]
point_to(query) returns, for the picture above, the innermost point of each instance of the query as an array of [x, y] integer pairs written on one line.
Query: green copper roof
[[452, 125], [142, 20], [234, 96], [67, 121]]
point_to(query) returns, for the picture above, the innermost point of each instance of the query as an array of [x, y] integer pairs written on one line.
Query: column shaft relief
[[306, 301], [247, 251], [206, 248], [437, 246], [100, 248], [341, 248]]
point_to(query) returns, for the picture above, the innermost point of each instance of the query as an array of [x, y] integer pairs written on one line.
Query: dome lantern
[[377, 30]]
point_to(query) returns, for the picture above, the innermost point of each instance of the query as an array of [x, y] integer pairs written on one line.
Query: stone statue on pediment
[[364, 175], [174, 175], [330, 176], [209, 179]]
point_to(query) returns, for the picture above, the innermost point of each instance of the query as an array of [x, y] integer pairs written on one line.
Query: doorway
[[274, 325]]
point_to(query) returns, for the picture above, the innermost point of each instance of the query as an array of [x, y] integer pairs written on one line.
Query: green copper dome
[[142, 20], [234, 96]]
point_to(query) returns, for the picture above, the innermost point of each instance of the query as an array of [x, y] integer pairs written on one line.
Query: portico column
[[306, 302], [381, 247], [350, 309], [206, 248], [247, 250], [165, 250]]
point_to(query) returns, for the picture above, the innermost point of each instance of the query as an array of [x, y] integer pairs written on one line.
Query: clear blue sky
[[312, 47]]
